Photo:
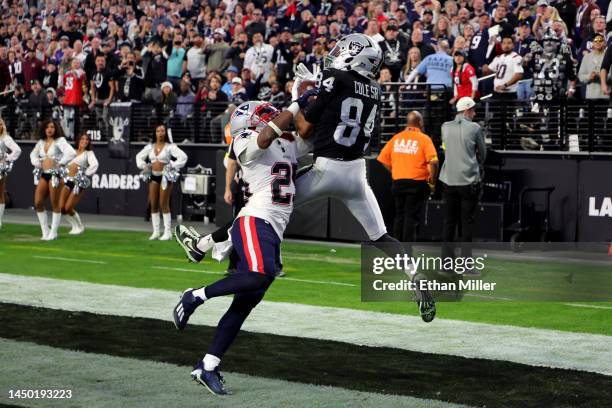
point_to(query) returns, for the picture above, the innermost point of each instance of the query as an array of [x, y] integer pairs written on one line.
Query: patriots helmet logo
[[355, 48]]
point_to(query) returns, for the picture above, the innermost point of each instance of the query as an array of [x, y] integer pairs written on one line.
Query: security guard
[[464, 144], [413, 161]]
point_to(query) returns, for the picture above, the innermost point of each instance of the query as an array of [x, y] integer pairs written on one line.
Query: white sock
[[155, 221], [167, 222], [42, 219], [77, 219], [55, 222], [211, 362], [205, 243], [1, 211], [199, 293]]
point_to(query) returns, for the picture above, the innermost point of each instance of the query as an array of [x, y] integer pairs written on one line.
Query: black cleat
[[212, 380], [188, 238], [425, 301], [185, 308]]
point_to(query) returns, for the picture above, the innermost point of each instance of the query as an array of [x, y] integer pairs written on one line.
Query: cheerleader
[[80, 169], [7, 144], [156, 160], [50, 154]]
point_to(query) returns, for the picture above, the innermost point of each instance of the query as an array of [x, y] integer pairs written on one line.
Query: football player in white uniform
[[268, 163], [342, 118]]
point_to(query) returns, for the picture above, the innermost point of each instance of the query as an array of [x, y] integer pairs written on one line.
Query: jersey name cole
[[269, 187], [344, 114]]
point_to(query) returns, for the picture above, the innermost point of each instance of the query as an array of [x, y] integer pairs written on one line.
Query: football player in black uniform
[[343, 117]]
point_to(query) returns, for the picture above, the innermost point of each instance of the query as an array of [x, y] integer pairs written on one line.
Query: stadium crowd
[[61, 57]]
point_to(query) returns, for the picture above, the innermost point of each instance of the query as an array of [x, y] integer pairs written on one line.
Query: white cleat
[[77, 230], [154, 236], [50, 237]]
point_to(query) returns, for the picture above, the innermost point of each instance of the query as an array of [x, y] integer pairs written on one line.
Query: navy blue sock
[[231, 322], [237, 283]]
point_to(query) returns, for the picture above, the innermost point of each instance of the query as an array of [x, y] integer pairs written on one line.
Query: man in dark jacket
[[154, 65]]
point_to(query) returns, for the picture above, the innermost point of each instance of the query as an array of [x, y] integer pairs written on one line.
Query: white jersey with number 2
[[269, 179]]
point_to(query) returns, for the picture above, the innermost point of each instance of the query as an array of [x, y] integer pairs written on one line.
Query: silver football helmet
[[253, 115], [356, 52]]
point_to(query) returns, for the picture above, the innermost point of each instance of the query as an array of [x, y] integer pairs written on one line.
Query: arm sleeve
[[607, 60], [431, 155], [329, 82], [247, 149], [180, 157], [303, 147], [518, 66], [68, 152], [385, 154], [482, 146], [421, 69], [93, 164], [585, 70], [34, 159], [141, 157], [14, 148]]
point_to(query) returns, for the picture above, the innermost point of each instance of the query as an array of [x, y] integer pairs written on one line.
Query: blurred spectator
[[130, 85], [416, 40], [258, 58], [154, 68], [196, 59], [316, 57], [522, 46], [102, 90], [247, 83], [73, 82], [237, 52], [168, 100], [282, 57], [15, 65], [32, 68], [395, 51], [37, 106], [590, 68], [508, 70], [464, 77], [186, 98], [238, 92], [414, 59], [583, 16], [256, 25], [176, 63], [216, 52], [436, 67]]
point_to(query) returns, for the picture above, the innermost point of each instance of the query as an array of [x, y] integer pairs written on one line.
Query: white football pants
[[347, 182]]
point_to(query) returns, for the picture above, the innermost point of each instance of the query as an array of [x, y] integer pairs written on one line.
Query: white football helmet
[[253, 115], [356, 52]]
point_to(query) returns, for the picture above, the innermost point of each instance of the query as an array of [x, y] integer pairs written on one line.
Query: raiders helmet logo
[[355, 48]]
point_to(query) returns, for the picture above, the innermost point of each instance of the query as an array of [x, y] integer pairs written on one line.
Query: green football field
[[319, 275]]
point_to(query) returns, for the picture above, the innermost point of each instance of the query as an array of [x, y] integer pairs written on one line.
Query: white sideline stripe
[[537, 347], [278, 280], [59, 258], [588, 306], [102, 380]]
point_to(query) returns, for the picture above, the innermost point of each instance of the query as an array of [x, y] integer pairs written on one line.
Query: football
[[306, 85]]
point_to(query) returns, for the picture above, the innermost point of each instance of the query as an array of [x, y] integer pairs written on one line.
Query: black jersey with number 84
[[344, 114]]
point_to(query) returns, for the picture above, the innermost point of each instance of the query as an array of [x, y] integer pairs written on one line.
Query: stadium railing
[[562, 125]]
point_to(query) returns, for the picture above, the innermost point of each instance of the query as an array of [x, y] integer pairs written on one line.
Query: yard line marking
[[187, 270], [316, 281], [59, 258], [588, 306], [280, 279]]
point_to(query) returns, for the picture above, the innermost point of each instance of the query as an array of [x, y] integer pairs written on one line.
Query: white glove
[[302, 73]]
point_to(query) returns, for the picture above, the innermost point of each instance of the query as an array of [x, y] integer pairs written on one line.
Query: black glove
[[303, 99]]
